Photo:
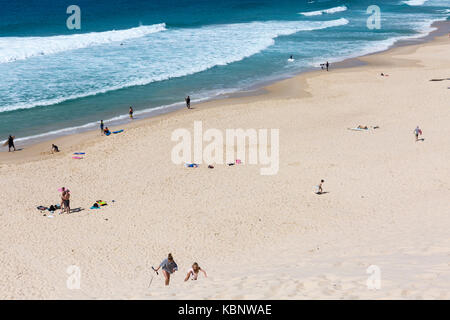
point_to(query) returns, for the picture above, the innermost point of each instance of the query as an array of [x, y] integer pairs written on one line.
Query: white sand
[[258, 237]]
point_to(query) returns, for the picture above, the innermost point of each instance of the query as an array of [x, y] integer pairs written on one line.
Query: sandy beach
[[385, 206]]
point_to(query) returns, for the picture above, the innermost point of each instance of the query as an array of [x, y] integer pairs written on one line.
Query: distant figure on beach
[[101, 126], [194, 272], [65, 200], [168, 266], [319, 187], [106, 131], [11, 143], [188, 102], [131, 112], [417, 132], [55, 148], [327, 65]]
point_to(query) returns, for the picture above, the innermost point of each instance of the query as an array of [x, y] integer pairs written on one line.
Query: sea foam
[[325, 11], [21, 48]]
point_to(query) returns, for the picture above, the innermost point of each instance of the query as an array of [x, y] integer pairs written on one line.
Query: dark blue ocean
[[151, 54]]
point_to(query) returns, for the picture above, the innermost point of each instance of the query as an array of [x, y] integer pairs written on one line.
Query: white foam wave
[[215, 46], [415, 2], [121, 119], [21, 48], [423, 29], [325, 11]]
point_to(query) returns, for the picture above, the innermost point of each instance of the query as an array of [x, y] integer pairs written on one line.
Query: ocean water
[[151, 54]]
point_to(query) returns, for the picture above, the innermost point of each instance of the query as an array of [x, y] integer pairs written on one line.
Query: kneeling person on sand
[[194, 272]]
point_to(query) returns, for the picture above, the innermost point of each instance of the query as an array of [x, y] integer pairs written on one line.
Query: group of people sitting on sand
[[169, 266]]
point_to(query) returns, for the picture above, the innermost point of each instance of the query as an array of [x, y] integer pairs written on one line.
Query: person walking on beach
[[194, 272], [65, 200], [11, 143], [417, 132], [319, 187], [168, 266], [327, 65], [188, 102], [131, 112], [101, 127]]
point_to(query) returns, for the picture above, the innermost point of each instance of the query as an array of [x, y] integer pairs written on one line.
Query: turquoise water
[[151, 54]]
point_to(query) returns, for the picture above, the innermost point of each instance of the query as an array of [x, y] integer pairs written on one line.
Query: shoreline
[[39, 148]]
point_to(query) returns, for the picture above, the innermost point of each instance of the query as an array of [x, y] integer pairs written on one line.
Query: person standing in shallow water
[[188, 102], [102, 127], [131, 112], [11, 143]]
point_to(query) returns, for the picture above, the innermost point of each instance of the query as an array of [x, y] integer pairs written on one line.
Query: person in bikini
[[194, 272]]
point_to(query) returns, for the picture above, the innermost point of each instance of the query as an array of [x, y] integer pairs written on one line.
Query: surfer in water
[[11, 143]]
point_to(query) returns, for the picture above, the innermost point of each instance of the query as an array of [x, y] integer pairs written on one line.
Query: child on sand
[[319, 187], [168, 266], [417, 132], [194, 272]]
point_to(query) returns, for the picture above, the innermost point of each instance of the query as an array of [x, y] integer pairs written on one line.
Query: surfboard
[[6, 142]]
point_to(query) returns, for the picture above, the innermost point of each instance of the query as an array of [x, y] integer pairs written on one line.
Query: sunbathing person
[[194, 272], [362, 127]]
